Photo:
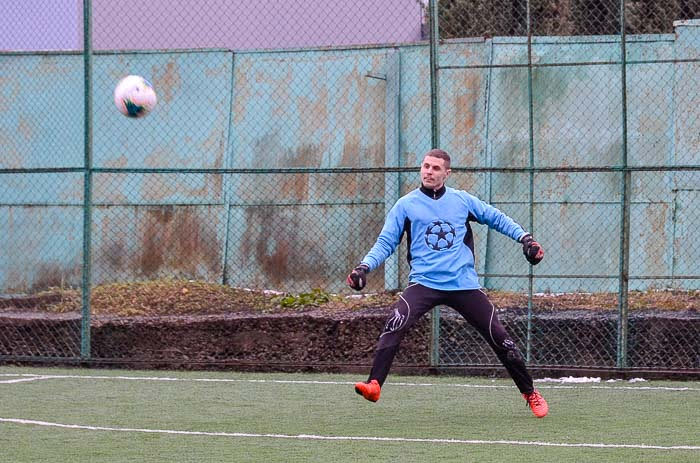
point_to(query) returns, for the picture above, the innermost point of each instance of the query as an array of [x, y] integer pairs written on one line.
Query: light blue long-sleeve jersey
[[441, 244]]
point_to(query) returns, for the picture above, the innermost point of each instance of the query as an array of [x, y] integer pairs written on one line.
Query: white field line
[[34, 377], [21, 380], [352, 438]]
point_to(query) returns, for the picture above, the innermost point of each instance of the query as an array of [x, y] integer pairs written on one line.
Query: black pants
[[473, 305]]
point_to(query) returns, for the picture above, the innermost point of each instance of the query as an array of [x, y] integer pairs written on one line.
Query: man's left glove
[[532, 249], [358, 277]]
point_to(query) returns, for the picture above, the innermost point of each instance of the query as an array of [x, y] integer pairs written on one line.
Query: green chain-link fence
[[284, 132], [567, 86]]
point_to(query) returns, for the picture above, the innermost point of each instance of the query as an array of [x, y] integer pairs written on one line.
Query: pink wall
[[234, 24], [41, 24]]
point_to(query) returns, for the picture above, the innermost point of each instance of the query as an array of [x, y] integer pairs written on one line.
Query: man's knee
[[511, 350], [398, 320]]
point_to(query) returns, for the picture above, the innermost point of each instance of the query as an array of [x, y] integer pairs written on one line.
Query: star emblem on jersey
[[440, 235]]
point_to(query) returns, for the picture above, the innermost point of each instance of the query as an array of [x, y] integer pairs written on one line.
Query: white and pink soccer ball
[[134, 96]]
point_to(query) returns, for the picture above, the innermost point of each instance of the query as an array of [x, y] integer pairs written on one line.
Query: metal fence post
[[87, 185], [531, 144], [435, 143], [434, 83], [622, 328]]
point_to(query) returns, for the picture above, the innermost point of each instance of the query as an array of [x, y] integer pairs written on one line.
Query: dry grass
[[185, 297], [638, 300]]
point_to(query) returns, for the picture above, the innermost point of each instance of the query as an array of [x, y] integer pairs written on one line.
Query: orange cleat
[[537, 404], [369, 390]]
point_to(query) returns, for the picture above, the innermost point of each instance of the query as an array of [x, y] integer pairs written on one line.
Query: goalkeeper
[[435, 219]]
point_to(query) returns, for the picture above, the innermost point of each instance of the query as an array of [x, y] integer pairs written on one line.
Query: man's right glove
[[532, 249], [358, 277]]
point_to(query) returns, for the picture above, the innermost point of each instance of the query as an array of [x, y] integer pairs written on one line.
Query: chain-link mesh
[[562, 301], [284, 132], [574, 102], [41, 128]]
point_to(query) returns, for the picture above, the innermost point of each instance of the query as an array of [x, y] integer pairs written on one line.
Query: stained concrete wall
[[360, 107]]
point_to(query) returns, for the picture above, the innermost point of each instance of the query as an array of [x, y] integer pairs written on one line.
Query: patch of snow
[[272, 291], [558, 294], [584, 379], [264, 291], [569, 379], [360, 296]]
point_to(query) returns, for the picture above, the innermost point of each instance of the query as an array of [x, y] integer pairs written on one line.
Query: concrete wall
[[363, 107]]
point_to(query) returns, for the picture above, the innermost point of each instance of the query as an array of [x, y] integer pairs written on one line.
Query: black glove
[[532, 249], [358, 277]]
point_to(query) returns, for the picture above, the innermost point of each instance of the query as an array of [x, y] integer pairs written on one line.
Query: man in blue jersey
[[435, 219]]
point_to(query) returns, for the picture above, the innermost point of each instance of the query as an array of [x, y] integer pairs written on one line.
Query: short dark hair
[[438, 153]]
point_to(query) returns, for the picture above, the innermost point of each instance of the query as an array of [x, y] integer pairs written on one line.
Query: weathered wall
[[364, 107]]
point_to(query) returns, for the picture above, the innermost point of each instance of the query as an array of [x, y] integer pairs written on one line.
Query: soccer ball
[[134, 96], [440, 235]]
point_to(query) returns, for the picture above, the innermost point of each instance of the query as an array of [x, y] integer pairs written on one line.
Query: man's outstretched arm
[[386, 244], [488, 215]]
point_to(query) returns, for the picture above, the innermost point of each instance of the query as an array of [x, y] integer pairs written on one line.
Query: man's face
[[433, 172]]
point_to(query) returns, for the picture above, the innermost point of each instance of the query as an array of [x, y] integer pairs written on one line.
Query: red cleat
[[537, 404], [369, 390]]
